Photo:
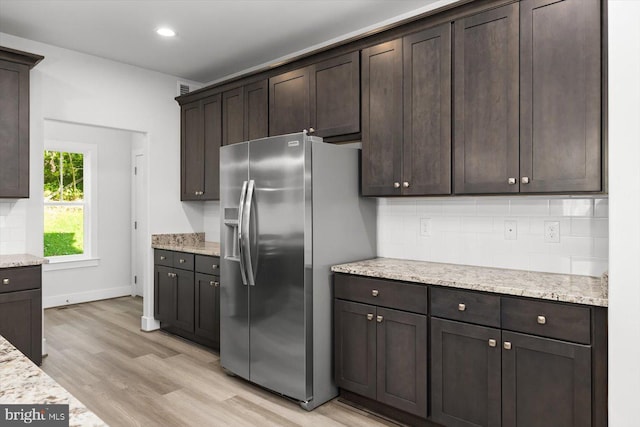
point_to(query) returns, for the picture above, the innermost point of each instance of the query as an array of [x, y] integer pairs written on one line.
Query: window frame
[[89, 257]]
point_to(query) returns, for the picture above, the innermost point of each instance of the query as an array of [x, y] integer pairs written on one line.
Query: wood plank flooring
[[134, 378]]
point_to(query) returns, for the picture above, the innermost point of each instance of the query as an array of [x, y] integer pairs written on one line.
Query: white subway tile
[[402, 207], [537, 225], [601, 208], [441, 224], [601, 247], [476, 224], [18, 235], [529, 207], [410, 229], [466, 207], [492, 207], [395, 224], [510, 260], [577, 246], [3, 248], [596, 227], [589, 266], [429, 207], [571, 207], [550, 263], [523, 224]]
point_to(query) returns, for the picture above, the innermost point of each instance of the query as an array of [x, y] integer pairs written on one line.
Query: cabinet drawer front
[[183, 260], [470, 307], [208, 265], [162, 257], [383, 293], [20, 278], [547, 319]]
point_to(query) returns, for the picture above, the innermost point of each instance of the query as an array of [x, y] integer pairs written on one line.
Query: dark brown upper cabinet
[[14, 121], [406, 115], [201, 126], [322, 98], [560, 96], [245, 112], [486, 102]]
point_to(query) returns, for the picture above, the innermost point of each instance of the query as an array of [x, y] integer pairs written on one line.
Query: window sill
[[67, 264]]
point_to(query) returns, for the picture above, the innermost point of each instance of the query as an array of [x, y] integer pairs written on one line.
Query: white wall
[[212, 221], [624, 190], [471, 230], [75, 87], [12, 227]]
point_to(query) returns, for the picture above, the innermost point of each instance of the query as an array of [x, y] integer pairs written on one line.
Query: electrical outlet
[[425, 227], [552, 232], [510, 230]]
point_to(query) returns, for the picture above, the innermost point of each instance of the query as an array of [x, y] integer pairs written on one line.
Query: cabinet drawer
[[466, 306], [383, 293], [162, 257], [20, 278], [208, 265], [547, 319], [183, 260]]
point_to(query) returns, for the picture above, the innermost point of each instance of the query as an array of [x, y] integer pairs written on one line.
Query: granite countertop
[[190, 242], [22, 382], [557, 287], [21, 260]]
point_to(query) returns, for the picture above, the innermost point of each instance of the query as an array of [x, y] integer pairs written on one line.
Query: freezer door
[[234, 294], [280, 323]]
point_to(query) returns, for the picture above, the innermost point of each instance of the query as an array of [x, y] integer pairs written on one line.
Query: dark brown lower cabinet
[[207, 316], [382, 354], [465, 374], [545, 382]]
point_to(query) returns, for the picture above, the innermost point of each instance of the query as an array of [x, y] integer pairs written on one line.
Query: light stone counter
[[21, 260], [22, 382], [557, 287], [191, 243]]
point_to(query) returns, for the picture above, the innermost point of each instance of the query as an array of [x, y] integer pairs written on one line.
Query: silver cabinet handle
[[525, 179], [462, 307], [243, 195], [172, 275], [379, 319], [162, 257], [542, 320], [405, 184], [214, 283], [5, 281], [369, 316], [311, 130], [507, 345], [492, 343], [182, 261], [214, 267], [374, 292], [512, 181], [396, 185]]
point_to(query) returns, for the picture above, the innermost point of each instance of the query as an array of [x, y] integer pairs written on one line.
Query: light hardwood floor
[[134, 378]]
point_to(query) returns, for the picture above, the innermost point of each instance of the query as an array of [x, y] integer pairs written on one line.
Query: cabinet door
[[192, 148], [560, 101], [21, 322], [207, 303], [402, 360], [212, 139], [184, 300], [233, 128], [486, 102], [545, 382], [355, 347], [426, 165], [289, 102], [164, 294], [256, 110], [465, 374], [14, 130], [335, 96], [382, 119]]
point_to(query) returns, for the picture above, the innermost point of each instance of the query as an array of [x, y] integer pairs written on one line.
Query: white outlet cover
[[552, 232], [425, 227], [511, 230]]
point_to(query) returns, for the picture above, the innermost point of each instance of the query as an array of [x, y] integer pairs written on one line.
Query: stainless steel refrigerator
[[290, 208]]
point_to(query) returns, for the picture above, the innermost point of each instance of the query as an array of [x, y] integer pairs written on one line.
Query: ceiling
[[215, 38]]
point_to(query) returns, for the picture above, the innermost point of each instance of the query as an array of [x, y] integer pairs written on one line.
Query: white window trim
[[90, 164]]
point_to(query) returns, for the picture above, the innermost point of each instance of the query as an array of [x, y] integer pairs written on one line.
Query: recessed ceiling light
[[166, 32]]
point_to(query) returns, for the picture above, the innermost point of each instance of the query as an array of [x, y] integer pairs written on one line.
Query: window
[[68, 219]]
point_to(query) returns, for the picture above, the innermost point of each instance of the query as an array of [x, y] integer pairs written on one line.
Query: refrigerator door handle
[[247, 235], [243, 196]]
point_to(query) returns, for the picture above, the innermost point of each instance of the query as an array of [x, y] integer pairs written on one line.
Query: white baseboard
[[148, 324], [76, 298], [44, 347]]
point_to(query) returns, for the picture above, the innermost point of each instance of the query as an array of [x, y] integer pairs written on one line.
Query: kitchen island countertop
[[22, 382], [557, 287]]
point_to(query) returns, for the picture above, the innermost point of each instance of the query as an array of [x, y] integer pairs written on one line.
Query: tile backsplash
[[12, 227], [498, 232]]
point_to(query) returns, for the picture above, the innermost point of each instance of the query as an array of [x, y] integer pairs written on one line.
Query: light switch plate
[[552, 232], [425, 227], [511, 230]]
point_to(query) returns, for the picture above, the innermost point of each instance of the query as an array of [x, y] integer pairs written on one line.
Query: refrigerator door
[[234, 294], [280, 309]]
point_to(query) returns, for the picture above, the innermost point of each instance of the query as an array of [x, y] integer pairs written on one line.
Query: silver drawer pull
[[213, 283], [542, 320], [396, 185], [462, 307], [5, 281], [511, 181], [214, 267], [525, 179], [375, 292], [492, 343], [379, 319], [507, 345], [182, 261], [162, 257], [172, 275], [369, 316]]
